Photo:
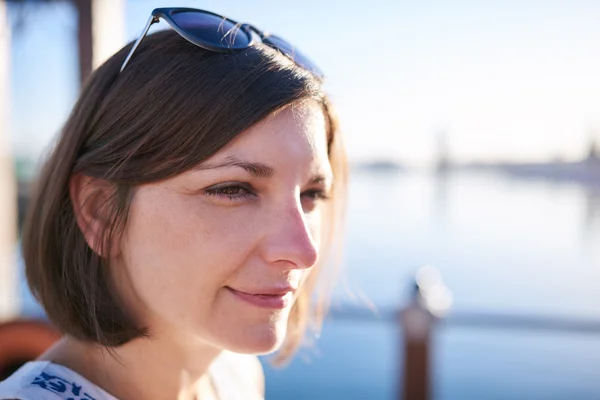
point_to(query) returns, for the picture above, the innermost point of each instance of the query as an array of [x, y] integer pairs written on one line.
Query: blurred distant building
[[593, 152], [442, 157]]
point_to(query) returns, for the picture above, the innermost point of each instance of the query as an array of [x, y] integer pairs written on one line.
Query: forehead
[[296, 134]]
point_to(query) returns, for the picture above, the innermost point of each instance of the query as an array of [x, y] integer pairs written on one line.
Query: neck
[[143, 369]]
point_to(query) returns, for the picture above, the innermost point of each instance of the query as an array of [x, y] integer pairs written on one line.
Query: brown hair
[[172, 107]]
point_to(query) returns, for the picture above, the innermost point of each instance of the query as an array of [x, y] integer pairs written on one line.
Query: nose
[[289, 240]]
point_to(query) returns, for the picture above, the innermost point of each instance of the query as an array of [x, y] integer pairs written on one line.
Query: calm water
[[502, 244]]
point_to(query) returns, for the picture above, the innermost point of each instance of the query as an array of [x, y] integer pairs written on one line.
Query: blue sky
[[515, 80]]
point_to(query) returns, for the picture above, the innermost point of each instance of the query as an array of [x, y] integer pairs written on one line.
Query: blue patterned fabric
[[42, 380]]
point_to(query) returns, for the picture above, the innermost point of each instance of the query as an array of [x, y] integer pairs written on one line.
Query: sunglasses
[[220, 34]]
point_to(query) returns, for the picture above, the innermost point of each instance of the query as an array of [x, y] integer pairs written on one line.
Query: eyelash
[[316, 194], [241, 192]]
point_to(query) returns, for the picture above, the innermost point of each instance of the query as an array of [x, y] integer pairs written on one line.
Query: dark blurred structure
[[22, 202]]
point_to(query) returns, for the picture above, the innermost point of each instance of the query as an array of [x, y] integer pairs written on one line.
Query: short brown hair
[[174, 106]]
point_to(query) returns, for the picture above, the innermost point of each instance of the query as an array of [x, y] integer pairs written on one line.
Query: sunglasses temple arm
[[151, 21]]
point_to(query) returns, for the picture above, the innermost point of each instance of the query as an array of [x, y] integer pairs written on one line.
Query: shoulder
[[23, 383], [42, 380], [245, 369]]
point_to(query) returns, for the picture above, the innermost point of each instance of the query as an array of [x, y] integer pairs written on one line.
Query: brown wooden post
[[430, 300], [84, 37], [417, 323]]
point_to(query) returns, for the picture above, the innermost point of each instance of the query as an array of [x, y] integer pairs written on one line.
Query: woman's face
[[219, 252]]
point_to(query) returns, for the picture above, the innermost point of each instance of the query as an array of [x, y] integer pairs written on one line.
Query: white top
[[43, 380]]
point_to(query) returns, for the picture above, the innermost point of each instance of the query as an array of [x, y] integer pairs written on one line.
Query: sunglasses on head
[[220, 34]]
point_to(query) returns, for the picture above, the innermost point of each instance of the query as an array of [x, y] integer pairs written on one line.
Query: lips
[[270, 298]]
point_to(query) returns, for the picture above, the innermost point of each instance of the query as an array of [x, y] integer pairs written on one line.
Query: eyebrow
[[321, 180], [256, 169]]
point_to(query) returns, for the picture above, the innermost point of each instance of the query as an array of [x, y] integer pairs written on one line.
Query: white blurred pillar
[[9, 301], [108, 29], [100, 32]]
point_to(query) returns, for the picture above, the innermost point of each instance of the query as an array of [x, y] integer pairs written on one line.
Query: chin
[[256, 340]]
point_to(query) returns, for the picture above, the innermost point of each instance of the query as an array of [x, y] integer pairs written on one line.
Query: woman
[[179, 223]]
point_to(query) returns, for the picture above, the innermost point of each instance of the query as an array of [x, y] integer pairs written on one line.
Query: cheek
[[179, 254]]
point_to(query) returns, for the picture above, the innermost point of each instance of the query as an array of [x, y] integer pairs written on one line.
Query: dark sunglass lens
[[292, 52], [212, 29]]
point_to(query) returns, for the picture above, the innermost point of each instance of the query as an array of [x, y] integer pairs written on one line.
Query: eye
[[315, 194], [311, 198], [231, 191]]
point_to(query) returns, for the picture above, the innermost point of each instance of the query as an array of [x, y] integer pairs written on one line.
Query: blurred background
[[473, 131]]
